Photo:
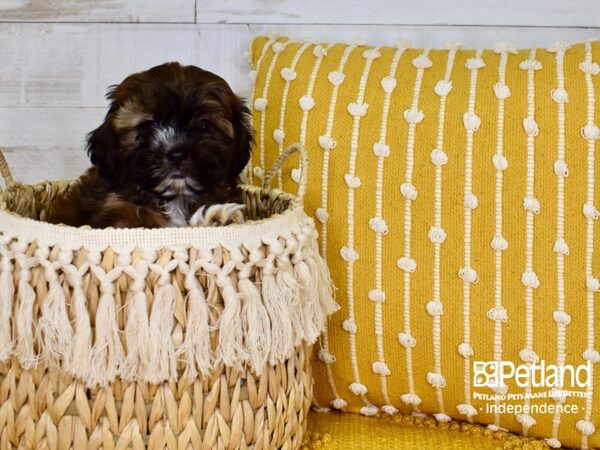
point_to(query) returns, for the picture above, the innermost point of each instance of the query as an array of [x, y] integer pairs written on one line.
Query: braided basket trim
[[125, 240]]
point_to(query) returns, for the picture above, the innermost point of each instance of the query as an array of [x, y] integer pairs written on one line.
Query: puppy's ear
[[243, 139], [102, 148], [102, 142]]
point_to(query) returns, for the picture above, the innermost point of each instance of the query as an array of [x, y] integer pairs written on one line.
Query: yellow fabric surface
[[336, 431], [447, 257]]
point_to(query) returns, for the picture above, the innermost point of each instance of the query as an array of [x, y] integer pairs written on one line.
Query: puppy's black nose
[[177, 155]]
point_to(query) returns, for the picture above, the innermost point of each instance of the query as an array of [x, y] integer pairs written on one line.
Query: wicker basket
[[193, 338]]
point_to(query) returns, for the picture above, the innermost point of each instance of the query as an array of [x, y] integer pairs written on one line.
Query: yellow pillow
[[456, 195]]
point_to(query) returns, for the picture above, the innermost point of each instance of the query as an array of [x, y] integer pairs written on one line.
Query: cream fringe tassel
[[256, 324], [196, 345], [137, 337], [7, 292], [286, 282], [54, 324], [278, 301], [255, 307], [161, 350], [311, 312], [107, 357], [231, 351], [24, 323], [82, 342]]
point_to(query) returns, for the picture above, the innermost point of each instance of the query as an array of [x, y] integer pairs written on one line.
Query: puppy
[[168, 154]]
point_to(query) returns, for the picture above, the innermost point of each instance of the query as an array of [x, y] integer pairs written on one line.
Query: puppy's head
[[172, 130]]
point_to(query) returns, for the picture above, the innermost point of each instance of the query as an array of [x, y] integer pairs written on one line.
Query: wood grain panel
[[178, 11], [572, 13], [47, 143], [73, 64], [47, 127], [31, 165]]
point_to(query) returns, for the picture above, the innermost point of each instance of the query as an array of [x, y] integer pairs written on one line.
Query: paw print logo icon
[[486, 373]]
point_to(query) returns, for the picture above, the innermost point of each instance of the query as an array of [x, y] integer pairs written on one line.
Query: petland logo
[[495, 374]]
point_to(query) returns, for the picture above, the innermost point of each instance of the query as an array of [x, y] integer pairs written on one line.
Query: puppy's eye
[[205, 126]]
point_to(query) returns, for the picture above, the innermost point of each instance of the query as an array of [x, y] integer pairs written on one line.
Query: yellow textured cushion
[[455, 191], [353, 432]]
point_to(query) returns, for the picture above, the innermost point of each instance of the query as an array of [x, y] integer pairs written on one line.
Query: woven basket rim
[[251, 233]]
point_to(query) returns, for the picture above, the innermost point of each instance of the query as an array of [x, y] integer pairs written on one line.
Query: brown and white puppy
[[169, 153]]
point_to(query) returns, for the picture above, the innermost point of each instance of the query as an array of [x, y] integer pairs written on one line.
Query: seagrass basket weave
[[187, 338]]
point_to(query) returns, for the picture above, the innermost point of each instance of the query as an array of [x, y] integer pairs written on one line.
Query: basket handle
[[303, 182], [5, 171]]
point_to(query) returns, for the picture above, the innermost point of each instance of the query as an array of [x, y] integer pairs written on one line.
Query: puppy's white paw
[[220, 214]]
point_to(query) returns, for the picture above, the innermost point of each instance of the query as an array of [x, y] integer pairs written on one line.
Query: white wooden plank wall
[[57, 57]]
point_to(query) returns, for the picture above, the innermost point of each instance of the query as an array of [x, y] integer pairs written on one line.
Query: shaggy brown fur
[[174, 139]]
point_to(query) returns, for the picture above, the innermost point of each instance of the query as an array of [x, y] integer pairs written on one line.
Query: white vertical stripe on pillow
[[585, 426], [252, 75], [531, 206], [287, 75], [437, 233], [467, 273], [338, 402], [381, 151], [499, 243], [357, 109], [407, 263], [335, 77], [277, 48], [324, 354], [560, 247]]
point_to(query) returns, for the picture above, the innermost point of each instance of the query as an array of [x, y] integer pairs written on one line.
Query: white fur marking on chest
[[177, 212]]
